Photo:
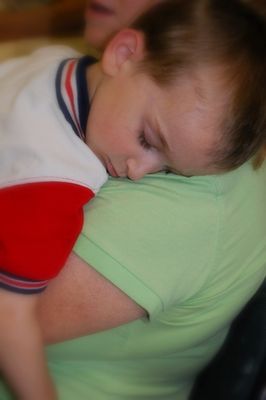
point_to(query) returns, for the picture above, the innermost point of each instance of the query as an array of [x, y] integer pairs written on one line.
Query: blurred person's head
[[105, 17], [190, 90]]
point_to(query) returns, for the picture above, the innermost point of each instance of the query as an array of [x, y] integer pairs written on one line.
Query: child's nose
[[137, 169]]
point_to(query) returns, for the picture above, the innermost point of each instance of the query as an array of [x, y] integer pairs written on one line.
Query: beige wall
[[57, 17]]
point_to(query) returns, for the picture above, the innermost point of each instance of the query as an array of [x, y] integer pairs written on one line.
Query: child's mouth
[[111, 170]]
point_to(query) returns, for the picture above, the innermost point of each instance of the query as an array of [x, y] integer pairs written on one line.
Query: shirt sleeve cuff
[[119, 275]]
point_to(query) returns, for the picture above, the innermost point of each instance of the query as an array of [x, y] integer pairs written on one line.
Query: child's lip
[[111, 169]]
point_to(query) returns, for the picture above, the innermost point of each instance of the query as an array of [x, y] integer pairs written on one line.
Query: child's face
[[104, 17], [137, 127]]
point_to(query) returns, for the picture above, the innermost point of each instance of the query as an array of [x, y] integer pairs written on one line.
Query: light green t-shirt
[[191, 251]]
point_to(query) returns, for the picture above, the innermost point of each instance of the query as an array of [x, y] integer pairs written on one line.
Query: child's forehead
[[209, 83], [193, 111]]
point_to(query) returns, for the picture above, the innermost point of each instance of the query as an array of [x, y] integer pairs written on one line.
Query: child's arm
[[22, 359], [40, 223]]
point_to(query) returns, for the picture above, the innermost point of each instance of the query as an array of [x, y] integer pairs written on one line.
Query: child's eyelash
[[143, 141]]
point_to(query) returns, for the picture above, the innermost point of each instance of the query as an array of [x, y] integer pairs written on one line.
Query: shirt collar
[[72, 92]]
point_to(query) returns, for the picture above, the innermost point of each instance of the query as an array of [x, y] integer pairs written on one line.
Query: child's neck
[[94, 77]]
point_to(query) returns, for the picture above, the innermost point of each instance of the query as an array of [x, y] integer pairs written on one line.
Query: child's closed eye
[[144, 142]]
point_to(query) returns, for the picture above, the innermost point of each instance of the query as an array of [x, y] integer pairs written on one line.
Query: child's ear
[[126, 45]]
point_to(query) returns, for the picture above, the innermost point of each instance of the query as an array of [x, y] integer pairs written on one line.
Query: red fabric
[[39, 224]]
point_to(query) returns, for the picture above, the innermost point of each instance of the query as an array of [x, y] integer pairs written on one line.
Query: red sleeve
[[40, 223]]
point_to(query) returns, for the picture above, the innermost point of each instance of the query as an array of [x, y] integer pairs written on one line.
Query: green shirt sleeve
[[155, 239]]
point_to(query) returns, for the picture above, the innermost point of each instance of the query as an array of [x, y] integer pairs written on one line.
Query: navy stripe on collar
[[72, 92]]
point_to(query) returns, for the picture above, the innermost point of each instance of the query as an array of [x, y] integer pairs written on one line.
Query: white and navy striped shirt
[[47, 172]]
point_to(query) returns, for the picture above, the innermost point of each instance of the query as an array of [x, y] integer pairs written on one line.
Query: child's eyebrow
[[161, 136], [163, 141]]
